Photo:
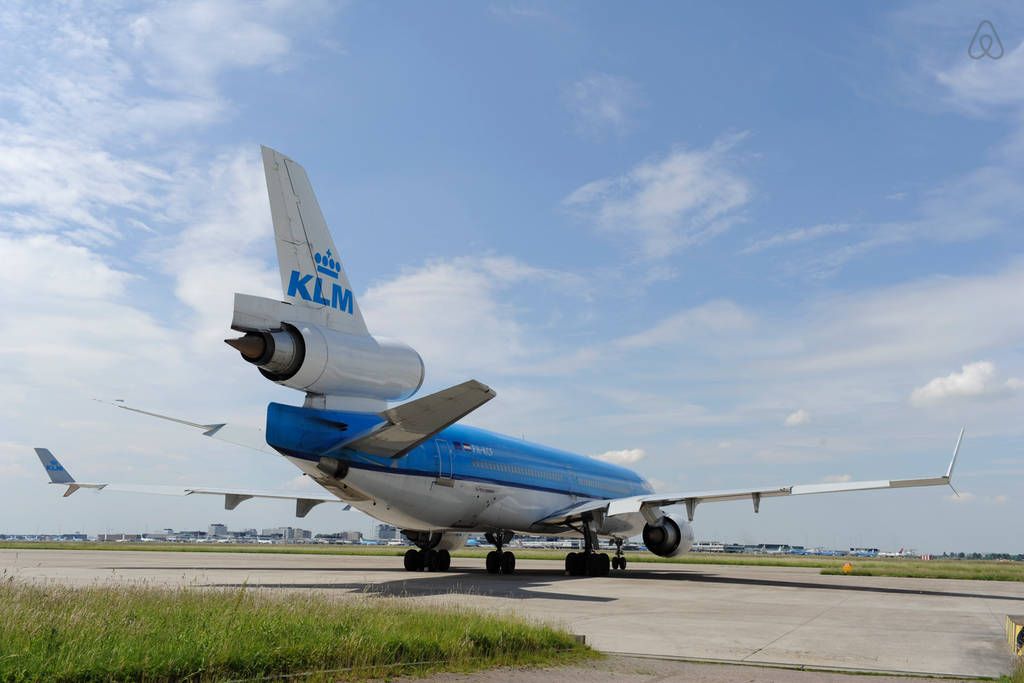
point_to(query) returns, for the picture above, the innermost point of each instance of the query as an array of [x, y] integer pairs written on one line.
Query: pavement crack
[[820, 614]]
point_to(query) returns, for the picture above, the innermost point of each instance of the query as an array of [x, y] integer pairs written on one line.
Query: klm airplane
[[412, 465]]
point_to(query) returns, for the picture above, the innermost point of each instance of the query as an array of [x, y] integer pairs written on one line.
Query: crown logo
[[326, 264]]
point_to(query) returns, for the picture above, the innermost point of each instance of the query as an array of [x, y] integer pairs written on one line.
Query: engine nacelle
[[670, 537], [320, 360]]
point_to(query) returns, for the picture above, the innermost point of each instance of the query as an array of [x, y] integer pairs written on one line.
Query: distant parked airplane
[[411, 465]]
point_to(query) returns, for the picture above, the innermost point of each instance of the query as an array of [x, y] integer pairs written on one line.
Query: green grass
[[154, 634], [986, 570]]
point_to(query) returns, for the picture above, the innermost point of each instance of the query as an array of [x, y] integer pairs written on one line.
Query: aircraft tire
[[493, 562], [576, 564], [429, 560], [615, 562], [508, 563], [413, 560], [443, 560], [597, 564]]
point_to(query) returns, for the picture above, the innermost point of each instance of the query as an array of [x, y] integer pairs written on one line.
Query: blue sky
[[730, 245]]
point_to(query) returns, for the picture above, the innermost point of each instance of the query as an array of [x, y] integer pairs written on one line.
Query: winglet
[[956, 452]]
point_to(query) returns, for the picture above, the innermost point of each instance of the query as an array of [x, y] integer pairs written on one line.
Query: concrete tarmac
[[789, 616]]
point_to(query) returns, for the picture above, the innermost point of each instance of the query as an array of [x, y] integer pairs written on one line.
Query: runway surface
[[791, 616]]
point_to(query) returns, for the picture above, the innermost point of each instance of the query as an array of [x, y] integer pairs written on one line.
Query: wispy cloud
[[797, 418], [795, 236], [602, 103], [667, 204], [713, 319]]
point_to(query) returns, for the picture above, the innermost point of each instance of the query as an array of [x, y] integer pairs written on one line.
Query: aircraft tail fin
[[311, 271]]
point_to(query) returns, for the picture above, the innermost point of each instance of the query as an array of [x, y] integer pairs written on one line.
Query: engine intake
[[669, 537], [321, 360]]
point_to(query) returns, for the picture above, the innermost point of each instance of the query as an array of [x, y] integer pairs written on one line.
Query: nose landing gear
[[619, 561], [500, 561]]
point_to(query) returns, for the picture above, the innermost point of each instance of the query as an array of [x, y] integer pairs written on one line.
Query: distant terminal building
[[386, 532], [217, 531], [341, 537], [122, 538], [287, 534]]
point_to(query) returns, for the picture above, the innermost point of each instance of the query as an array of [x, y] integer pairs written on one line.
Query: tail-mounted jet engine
[[669, 537], [321, 360]]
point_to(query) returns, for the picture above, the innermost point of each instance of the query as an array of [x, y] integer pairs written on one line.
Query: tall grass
[[139, 633]]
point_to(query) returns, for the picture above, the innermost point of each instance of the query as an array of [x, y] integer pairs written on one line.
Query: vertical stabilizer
[[311, 272]]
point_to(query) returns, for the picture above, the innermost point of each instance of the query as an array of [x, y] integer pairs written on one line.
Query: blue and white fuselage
[[462, 478]]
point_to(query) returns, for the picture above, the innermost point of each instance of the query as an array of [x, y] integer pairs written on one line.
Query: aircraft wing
[[691, 499], [304, 502], [409, 424]]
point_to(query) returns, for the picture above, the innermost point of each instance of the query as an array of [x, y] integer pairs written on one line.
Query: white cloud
[[974, 380], [185, 46], [480, 330], [797, 418], [981, 86], [961, 497], [683, 199], [602, 102], [626, 456], [221, 252], [837, 478], [957, 315]]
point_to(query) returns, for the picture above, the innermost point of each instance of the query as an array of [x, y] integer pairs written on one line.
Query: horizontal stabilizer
[[412, 423]]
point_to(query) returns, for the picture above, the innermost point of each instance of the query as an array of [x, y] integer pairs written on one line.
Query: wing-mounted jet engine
[[670, 536]]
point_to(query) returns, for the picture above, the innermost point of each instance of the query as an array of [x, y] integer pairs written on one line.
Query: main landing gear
[[418, 560], [591, 563], [500, 561], [426, 557]]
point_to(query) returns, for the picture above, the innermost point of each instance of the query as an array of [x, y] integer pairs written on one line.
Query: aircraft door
[[444, 461]]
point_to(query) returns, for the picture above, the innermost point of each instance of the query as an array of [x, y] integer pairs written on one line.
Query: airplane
[[412, 465]]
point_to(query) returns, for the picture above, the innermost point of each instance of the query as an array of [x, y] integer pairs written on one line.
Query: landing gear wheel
[[622, 563], [508, 563], [576, 564], [493, 562], [413, 560], [442, 561], [604, 564], [615, 563]]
